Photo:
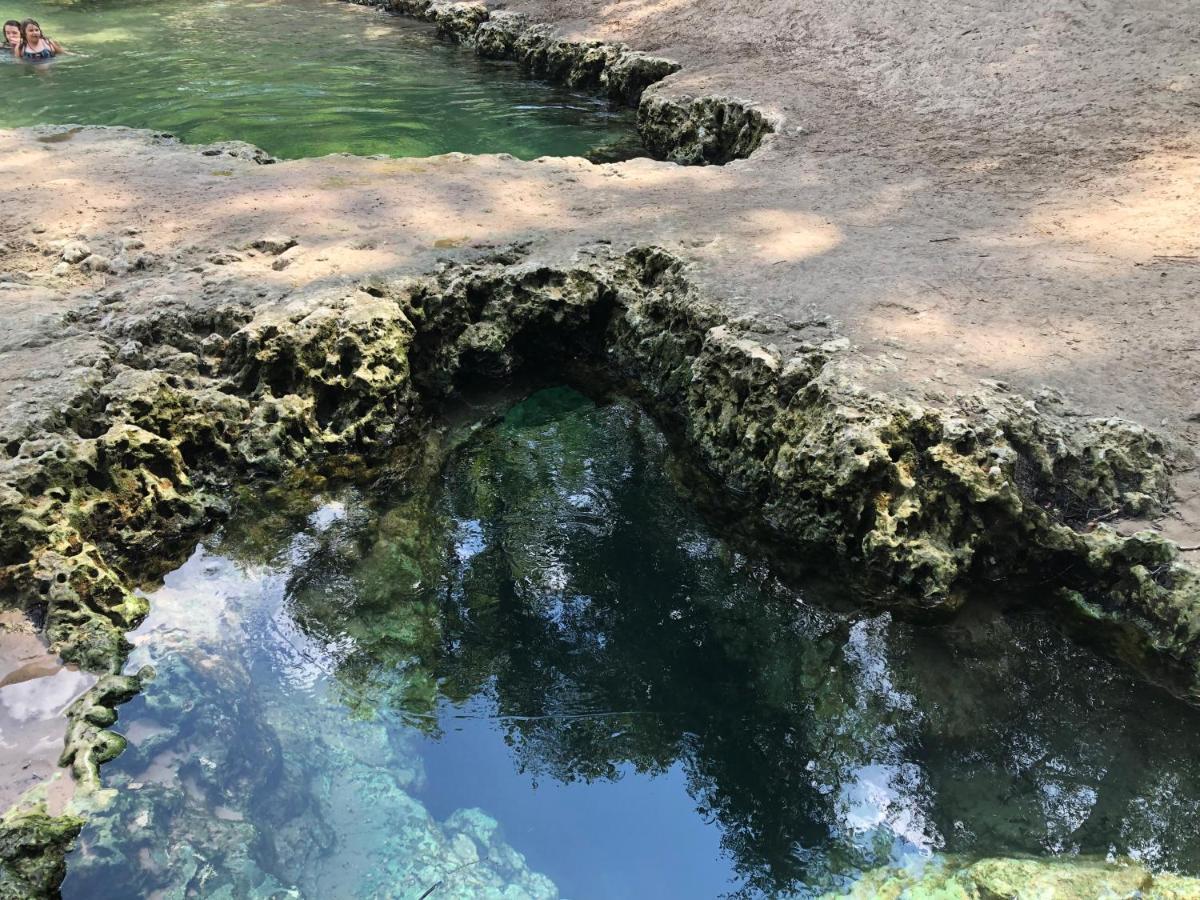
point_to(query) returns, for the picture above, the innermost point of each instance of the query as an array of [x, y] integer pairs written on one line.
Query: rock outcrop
[[919, 503]]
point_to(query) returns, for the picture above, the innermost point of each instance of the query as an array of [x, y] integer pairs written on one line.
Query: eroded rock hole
[[550, 602]]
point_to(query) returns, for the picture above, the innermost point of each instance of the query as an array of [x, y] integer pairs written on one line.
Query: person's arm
[[55, 46], [17, 49]]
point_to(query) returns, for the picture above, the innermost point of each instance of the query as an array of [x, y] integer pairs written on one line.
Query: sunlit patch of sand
[[781, 235], [1149, 211]]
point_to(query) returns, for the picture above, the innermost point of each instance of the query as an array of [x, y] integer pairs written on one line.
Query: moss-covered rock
[[33, 847], [1022, 879], [89, 743], [918, 502]]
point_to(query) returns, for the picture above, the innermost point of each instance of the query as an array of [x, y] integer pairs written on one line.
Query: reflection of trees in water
[[558, 574]]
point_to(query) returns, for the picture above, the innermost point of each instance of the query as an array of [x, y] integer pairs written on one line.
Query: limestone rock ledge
[[689, 130], [919, 503]]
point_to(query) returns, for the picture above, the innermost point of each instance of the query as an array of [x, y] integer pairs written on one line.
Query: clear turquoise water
[[298, 78], [547, 677]]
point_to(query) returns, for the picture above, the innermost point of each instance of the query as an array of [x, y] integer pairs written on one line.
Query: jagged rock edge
[[707, 130]]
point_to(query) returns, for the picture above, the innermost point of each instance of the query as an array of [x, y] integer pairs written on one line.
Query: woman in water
[[12, 34], [35, 46]]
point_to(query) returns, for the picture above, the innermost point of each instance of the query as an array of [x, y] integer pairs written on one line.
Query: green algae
[[33, 845]]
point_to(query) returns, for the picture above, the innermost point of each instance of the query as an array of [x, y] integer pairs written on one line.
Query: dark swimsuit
[[44, 53]]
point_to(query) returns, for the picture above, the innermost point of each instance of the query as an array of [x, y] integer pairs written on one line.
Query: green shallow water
[[546, 676], [298, 78]]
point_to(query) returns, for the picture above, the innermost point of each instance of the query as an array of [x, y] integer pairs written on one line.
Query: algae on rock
[[33, 846], [1020, 879]]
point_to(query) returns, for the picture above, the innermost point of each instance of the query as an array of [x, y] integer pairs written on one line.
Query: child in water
[[35, 46], [12, 34]]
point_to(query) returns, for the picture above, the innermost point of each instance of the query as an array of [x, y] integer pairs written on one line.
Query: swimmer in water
[[35, 46], [12, 34]]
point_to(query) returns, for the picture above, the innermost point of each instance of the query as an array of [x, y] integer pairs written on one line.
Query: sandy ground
[[1010, 193]]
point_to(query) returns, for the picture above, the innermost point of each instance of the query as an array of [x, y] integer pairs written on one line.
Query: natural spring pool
[[297, 78], [546, 676]]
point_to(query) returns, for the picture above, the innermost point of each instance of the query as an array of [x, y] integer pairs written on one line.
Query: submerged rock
[[233, 786], [1022, 879]]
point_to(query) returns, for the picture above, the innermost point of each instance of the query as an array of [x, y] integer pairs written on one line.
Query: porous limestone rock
[[33, 846], [919, 503], [75, 251], [700, 130]]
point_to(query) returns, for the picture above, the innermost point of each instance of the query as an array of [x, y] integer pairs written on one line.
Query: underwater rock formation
[[231, 786], [687, 130]]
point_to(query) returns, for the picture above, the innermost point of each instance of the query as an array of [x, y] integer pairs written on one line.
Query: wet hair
[[25, 25], [15, 24]]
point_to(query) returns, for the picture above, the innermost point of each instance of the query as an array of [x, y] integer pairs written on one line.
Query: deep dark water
[[546, 675]]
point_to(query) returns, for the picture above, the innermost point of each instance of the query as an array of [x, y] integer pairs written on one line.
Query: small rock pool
[[298, 78], [545, 676]]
